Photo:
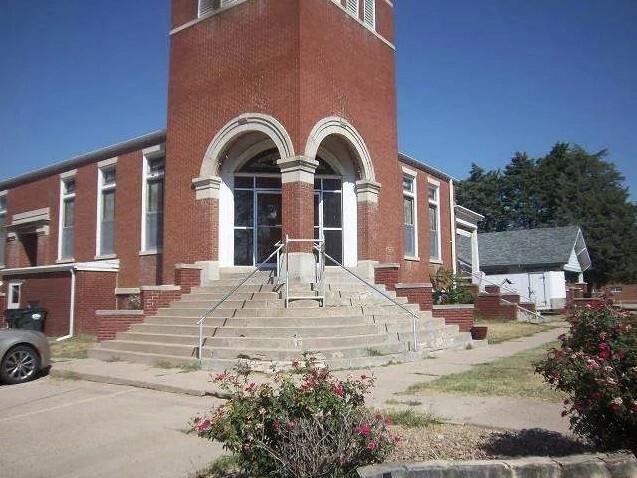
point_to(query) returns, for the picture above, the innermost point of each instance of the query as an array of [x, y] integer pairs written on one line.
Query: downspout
[[72, 309], [452, 207]]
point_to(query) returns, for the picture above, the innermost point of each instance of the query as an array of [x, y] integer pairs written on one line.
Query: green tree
[[568, 186]]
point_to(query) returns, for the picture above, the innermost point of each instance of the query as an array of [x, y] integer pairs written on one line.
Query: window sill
[[105, 257], [434, 260], [150, 253], [412, 258], [67, 260]]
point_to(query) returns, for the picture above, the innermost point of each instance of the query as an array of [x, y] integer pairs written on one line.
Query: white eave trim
[[101, 266]]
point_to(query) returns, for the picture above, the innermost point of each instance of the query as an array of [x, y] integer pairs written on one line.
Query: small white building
[[534, 263]]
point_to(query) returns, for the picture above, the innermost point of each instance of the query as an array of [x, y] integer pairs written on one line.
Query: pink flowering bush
[[303, 424], [596, 366]]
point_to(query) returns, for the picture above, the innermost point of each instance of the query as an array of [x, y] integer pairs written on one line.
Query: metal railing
[[414, 317], [207, 313], [319, 268], [480, 275]]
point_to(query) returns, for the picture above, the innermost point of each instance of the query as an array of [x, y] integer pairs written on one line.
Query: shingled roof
[[532, 247]]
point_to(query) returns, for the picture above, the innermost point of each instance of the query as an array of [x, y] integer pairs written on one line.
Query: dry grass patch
[[73, 348], [501, 331], [512, 376]]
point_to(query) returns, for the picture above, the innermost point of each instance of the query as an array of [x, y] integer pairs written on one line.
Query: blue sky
[[477, 80]]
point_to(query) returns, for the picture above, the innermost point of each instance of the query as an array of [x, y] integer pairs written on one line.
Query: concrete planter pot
[[479, 333]]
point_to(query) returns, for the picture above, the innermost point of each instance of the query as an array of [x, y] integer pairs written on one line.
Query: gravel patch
[[468, 442]]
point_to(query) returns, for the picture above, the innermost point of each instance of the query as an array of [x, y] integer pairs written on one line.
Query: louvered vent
[[208, 6], [352, 7], [369, 13]]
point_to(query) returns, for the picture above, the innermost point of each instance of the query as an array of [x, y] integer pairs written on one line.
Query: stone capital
[[367, 191], [207, 188], [297, 169]]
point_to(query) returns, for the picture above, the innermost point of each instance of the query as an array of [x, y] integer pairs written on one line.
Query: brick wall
[[51, 291], [297, 200], [460, 314], [622, 292], [416, 294], [93, 291], [109, 322]]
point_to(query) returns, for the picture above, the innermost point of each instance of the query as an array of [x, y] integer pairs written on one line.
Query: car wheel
[[20, 364]]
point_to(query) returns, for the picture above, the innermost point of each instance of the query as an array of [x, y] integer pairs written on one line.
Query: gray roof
[[532, 247], [140, 142]]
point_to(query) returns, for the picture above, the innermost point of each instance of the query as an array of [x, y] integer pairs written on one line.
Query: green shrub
[[305, 423], [449, 288], [596, 366]]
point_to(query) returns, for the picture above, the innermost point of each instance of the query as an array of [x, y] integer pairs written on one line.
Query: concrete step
[[190, 302], [267, 331], [250, 343], [261, 321], [217, 296], [231, 352], [224, 289], [114, 355]]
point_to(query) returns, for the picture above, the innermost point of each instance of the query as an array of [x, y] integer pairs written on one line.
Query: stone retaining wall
[[620, 464]]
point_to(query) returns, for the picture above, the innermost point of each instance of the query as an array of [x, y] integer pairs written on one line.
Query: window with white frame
[[369, 13], [153, 205], [352, 7], [14, 292], [106, 211], [207, 6], [409, 213], [67, 219], [3, 235], [434, 222]]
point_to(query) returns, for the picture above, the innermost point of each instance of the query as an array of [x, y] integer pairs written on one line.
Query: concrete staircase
[[357, 327]]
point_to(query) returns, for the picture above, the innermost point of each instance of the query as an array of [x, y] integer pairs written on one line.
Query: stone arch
[[334, 125], [245, 123]]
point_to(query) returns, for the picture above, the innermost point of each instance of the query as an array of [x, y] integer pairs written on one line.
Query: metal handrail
[[415, 317], [205, 315], [286, 253]]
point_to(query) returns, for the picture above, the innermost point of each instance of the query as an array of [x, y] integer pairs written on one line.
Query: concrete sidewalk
[[393, 380]]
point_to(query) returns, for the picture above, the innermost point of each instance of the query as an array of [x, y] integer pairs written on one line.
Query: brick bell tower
[[281, 121]]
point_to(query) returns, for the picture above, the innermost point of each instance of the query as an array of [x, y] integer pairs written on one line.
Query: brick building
[[281, 121]]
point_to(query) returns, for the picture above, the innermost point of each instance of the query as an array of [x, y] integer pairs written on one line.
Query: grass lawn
[[501, 331], [512, 376], [73, 348]]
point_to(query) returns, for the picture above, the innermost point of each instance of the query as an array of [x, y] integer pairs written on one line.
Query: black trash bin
[[30, 318]]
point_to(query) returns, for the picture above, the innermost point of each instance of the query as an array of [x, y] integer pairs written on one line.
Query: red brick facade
[[305, 78]]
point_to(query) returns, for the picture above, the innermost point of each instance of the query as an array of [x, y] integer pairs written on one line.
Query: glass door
[[269, 224], [328, 216]]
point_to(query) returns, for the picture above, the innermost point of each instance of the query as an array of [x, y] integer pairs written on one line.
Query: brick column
[[420, 294], [367, 193], [207, 196], [187, 276], [158, 297], [297, 191], [387, 274]]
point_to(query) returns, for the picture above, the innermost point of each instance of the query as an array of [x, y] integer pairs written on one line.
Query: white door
[[537, 289]]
